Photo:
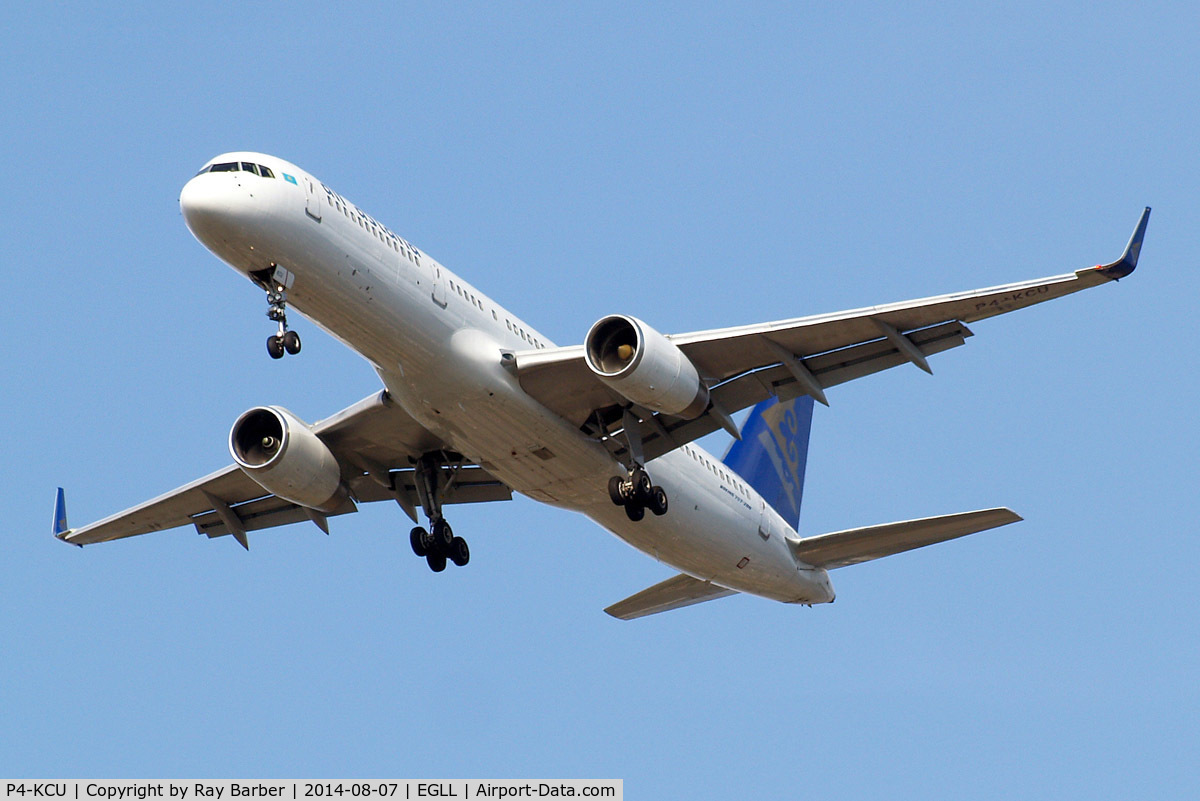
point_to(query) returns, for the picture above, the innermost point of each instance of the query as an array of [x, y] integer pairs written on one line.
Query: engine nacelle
[[645, 367], [284, 457]]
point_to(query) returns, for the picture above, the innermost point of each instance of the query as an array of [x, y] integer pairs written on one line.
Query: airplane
[[477, 404]]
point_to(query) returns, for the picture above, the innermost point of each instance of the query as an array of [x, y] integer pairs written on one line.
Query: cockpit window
[[233, 166]]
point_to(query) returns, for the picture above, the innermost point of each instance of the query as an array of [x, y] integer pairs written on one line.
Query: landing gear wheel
[[642, 488], [635, 511], [658, 501], [275, 346], [291, 342], [460, 554], [437, 561], [442, 536], [616, 490], [417, 539]]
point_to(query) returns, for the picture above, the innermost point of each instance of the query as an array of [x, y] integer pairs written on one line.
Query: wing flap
[[851, 547], [266, 512], [472, 484], [674, 593]]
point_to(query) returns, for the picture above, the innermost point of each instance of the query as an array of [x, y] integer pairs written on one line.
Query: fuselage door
[[765, 520], [439, 284], [313, 200]]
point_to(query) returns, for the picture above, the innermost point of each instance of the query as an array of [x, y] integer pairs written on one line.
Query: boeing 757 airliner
[[477, 404]]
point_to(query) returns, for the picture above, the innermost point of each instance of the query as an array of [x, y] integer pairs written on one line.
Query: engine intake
[[645, 367], [284, 457]]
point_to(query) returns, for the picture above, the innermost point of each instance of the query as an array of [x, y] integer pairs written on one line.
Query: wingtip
[[61, 529], [1129, 259]]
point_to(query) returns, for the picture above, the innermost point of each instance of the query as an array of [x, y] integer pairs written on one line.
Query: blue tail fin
[[773, 452]]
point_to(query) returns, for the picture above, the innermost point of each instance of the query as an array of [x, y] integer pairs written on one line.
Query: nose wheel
[[284, 341], [637, 494]]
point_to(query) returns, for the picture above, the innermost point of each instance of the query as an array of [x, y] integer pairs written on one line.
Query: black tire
[[658, 501], [417, 539], [460, 554], [291, 342], [436, 561], [635, 511], [616, 490], [275, 346], [442, 536], [642, 489]]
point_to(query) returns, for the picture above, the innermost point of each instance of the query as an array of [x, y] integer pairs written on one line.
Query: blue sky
[[696, 166]]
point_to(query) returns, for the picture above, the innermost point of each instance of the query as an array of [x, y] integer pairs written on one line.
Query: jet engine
[[645, 367], [284, 457]]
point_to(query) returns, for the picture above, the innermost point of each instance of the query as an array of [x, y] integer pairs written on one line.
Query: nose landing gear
[[285, 340]]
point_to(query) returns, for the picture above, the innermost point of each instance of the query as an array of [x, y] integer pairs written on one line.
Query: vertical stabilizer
[[773, 452]]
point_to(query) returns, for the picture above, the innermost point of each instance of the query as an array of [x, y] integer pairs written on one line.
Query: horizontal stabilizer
[[674, 593], [856, 545]]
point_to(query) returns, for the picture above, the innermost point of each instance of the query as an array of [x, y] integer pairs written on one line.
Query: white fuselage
[[436, 342]]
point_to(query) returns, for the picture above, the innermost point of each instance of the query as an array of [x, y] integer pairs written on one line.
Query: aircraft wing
[[806, 355], [376, 443]]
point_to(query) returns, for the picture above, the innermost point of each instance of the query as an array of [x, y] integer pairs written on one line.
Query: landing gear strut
[[285, 340], [637, 494], [438, 543]]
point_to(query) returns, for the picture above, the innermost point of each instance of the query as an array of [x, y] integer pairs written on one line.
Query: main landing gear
[[637, 494], [438, 543], [285, 340]]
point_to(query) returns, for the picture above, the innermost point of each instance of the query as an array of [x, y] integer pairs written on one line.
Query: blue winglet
[[60, 514], [1129, 259]]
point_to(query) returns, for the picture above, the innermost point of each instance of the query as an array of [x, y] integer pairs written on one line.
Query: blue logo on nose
[[289, 179]]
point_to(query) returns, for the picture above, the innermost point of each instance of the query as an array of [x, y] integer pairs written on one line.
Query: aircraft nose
[[205, 204]]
